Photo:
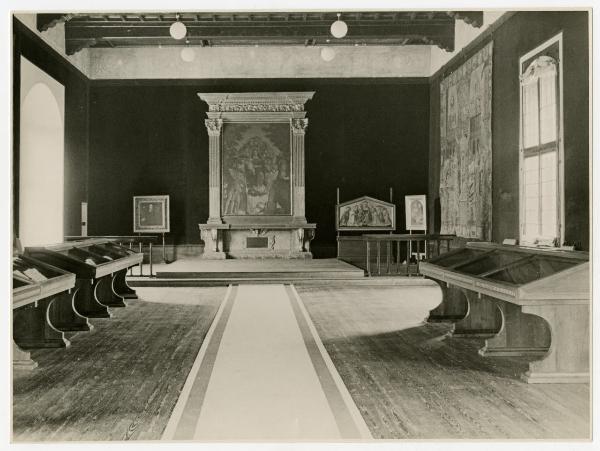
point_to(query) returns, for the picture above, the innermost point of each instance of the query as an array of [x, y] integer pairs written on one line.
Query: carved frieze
[[256, 102], [261, 107]]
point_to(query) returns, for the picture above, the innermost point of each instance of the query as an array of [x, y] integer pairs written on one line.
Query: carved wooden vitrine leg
[[63, 315], [85, 301], [483, 318], [32, 328], [568, 359], [454, 305], [521, 334], [22, 359], [121, 287], [104, 294]]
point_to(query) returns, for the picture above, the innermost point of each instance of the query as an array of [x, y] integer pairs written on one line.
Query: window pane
[[531, 188], [549, 227], [548, 166], [548, 107], [549, 194], [531, 229], [530, 115]]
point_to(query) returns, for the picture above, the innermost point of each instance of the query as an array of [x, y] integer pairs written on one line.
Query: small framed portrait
[[151, 214], [416, 212]]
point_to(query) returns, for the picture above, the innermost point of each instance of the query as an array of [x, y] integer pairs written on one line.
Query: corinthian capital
[[213, 126], [299, 126]]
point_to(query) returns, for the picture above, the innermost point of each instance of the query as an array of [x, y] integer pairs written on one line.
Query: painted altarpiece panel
[[365, 214], [256, 169], [466, 148]]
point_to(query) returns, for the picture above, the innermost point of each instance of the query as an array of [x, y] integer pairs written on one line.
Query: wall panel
[[149, 138]]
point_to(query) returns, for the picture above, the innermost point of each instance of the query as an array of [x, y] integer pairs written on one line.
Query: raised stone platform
[[198, 271]]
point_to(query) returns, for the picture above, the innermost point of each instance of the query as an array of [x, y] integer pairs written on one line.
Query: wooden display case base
[[556, 378], [22, 360]]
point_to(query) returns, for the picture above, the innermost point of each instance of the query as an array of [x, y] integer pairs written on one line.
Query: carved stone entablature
[[255, 107], [213, 126], [299, 126], [284, 102]]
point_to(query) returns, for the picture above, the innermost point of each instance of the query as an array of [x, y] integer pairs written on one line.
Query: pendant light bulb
[[339, 29], [178, 29]]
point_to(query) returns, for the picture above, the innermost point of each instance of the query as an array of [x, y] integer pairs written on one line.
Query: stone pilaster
[[214, 126], [298, 127]]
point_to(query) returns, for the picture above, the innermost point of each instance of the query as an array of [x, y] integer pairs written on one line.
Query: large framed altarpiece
[[256, 175]]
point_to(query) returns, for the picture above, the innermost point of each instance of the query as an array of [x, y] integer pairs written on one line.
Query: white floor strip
[[359, 422], [263, 385], [169, 432], [262, 374]]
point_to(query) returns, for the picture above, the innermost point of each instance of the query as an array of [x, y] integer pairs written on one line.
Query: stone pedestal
[[256, 235], [257, 240]]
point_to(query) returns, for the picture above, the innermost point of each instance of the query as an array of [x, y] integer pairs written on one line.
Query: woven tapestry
[[466, 148]]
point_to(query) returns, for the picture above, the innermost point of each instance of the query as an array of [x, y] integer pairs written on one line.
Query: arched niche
[[41, 157]]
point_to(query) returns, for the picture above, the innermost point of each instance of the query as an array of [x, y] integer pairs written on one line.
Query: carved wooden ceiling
[[109, 30]]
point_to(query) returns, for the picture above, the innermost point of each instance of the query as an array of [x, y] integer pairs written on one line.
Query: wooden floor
[[408, 379], [411, 381], [121, 380]]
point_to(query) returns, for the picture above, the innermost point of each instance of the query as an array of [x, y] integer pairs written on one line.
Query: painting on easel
[[151, 214], [365, 214], [415, 208]]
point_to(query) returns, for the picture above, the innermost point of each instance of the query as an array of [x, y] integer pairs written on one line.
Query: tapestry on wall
[[256, 161], [466, 148]]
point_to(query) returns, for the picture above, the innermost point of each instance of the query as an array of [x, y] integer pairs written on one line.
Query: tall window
[[541, 145]]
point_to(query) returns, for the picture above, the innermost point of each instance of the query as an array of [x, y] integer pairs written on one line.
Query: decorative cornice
[[256, 101], [46, 21], [213, 126], [299, 126], [473, 18]]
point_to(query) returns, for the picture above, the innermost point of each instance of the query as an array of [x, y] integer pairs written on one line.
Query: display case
[[100, 268], [42, 308], [524, 300]]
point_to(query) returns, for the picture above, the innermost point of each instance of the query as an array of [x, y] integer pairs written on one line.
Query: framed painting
[[151, 214], [365, 214], [256, 159], [416, 212]]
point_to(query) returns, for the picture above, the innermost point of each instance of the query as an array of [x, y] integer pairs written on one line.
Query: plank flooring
[[121, 380], [410, 380]]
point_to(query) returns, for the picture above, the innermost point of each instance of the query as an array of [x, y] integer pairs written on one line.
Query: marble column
[[298, 130], [214, 127]]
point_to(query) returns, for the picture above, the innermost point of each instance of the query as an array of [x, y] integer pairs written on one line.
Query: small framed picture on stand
[[416, 212], [151, 215]]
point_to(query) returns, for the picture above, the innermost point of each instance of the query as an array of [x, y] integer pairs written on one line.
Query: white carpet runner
[[262, 374]]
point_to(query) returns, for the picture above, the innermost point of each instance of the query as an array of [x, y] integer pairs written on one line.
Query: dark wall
[[148, 137], [30, 46], [521, 33]]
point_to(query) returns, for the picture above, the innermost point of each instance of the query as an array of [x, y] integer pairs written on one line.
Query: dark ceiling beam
[[473, 18], [74, 46], [259, 28], [47, 21], [258, 31]]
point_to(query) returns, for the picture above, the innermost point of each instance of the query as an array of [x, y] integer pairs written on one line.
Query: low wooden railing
[[130, 241], [421, 246]]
